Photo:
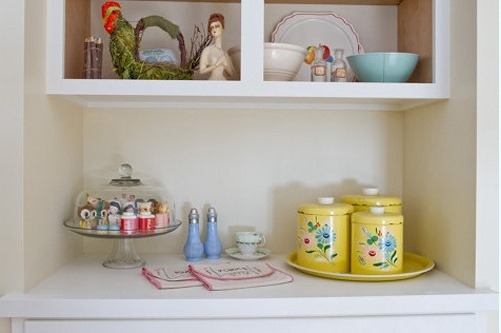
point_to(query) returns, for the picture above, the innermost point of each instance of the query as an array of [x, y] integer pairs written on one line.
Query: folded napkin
[[236, 275], [171, 277]]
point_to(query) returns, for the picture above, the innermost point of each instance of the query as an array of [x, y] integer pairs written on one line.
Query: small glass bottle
[[193, 249], [319, 66], [339, 67], [212, 246]]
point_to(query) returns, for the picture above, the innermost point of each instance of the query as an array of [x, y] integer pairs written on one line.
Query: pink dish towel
[[172, 277], [236, 275]]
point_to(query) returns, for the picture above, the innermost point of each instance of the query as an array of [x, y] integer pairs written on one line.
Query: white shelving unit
[[83, 296], [251, 90]]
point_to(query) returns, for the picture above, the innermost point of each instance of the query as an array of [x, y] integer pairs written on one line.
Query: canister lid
[[377, 215], [327, 207], [371, 197]]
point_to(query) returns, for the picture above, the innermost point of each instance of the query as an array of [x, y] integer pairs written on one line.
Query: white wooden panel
[[447, 323]]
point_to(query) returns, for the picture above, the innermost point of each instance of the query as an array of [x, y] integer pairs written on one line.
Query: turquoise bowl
[[383, 66]]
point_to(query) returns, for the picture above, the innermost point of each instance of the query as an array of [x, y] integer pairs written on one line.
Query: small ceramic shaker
[[193, 249], [212, 246]]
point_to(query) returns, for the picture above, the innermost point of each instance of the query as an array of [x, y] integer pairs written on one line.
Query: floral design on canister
[[319, 239], [377, 239], [323, 237]]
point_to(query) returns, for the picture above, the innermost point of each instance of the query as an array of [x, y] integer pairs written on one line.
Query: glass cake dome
[[124, 209], [102, 208]]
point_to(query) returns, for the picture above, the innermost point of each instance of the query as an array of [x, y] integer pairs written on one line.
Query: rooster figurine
[[124, 47]]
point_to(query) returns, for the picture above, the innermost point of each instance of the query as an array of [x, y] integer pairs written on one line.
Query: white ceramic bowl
[[281, 60]]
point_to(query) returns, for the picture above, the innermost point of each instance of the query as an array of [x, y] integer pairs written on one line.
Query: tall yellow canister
[[371, 197], [377, 242], [323, 236]]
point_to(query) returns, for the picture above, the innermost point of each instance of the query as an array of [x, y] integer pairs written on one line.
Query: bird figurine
[[310, 54], [124, 47]]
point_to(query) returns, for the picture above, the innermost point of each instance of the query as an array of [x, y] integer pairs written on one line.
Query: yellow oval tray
[[414, 265]]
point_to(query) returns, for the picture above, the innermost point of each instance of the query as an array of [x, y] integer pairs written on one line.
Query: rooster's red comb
[[108, 7]]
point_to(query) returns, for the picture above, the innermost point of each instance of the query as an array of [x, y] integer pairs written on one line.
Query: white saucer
[[234, 252]]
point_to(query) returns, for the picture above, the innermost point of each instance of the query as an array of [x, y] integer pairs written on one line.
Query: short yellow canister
[[377, 242], [323, 236], [371, 197]]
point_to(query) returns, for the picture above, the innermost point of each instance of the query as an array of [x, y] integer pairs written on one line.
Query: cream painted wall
[[440, 161], [254, 166], [11, 148], [52, 161], [488, 108]]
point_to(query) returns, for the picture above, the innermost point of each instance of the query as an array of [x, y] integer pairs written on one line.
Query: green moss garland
[[124, 50]]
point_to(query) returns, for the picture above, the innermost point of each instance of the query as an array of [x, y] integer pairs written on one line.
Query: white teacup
[[248, 242]]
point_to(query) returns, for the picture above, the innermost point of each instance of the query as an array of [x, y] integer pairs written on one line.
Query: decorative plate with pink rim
[[314, 28]]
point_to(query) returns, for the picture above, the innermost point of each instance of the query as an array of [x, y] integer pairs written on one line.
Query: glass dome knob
[[125, 173], [125, 170]]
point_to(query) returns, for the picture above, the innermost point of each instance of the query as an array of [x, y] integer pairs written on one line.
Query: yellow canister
[[370, 198], [323, 236], [377, 242]]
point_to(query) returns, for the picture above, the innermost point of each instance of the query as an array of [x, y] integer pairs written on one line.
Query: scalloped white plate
[[313, 28]]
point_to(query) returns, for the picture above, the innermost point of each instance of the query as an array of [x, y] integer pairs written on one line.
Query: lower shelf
[[85, 289]]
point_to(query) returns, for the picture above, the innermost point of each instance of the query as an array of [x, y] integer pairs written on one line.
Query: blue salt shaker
[[193, 249], [212, 246]]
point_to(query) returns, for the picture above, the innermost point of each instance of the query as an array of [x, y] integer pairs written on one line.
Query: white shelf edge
[[95, 295], [236, 94], [221, 308], [249, 103], [116, 88]]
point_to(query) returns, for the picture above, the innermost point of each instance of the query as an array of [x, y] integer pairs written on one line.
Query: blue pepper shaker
[[212, 246], [193, 249]]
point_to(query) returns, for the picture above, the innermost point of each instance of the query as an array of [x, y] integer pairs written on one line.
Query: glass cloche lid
[[103, 207]]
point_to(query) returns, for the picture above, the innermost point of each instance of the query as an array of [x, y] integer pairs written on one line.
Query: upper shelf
[[238, 94], [64, 48]]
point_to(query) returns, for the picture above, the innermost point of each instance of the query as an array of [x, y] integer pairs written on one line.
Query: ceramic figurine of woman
[[214, 59]]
